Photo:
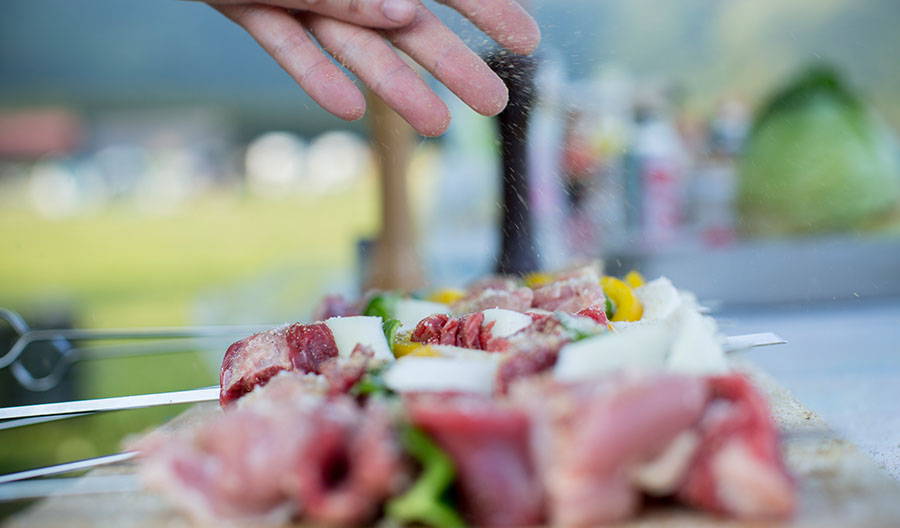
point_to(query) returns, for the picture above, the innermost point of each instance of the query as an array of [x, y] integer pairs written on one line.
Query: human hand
[[359, 34]]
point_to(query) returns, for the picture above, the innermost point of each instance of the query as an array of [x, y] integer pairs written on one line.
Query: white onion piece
[[360, 329], [506, 322], [439, 374], [644, 346], [411, 311], [696, 349]]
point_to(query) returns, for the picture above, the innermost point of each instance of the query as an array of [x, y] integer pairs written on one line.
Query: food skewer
[[730, 345]]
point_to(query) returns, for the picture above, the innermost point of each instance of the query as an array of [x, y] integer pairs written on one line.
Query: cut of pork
[[286, 450], [489, 444], [738, 470]]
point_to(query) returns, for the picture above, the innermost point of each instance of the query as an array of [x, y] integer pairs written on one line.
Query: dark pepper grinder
[[517, 253]]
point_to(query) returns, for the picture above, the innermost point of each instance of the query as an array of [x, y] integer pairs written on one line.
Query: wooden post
[[395, 263]]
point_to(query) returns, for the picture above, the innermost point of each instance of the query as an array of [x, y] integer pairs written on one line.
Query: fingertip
[[497, 102], [435, 125], [337, 94], [399, 12], [527, 40], [354, 114], [354, 106]]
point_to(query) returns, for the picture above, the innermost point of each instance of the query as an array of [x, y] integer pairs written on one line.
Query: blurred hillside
[[107, 53]]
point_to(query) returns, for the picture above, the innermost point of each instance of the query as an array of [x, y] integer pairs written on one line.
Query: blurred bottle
[[654, 177], [715, 182]]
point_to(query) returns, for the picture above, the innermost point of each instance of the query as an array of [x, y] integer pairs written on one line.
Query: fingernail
[[398, 10]]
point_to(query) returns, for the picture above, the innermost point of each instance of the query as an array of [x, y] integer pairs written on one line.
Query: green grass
[[119, 268]]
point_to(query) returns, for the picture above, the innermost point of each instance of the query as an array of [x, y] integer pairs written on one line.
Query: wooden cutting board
[[839, 486]]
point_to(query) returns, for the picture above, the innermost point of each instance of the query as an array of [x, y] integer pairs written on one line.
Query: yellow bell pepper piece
[[411, 348], [537, 279], [634, 279], [447, 295], [405, 347], [425, 351], [628, 307]]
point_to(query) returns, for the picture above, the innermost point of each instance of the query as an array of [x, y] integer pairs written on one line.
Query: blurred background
[[157, 168]]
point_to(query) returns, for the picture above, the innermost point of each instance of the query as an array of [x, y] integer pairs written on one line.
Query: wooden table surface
[[839, 486]]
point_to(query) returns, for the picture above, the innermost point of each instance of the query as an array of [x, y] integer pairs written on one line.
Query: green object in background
[[816, 161]]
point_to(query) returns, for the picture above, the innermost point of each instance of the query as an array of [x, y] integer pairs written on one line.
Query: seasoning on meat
[[286, 449]]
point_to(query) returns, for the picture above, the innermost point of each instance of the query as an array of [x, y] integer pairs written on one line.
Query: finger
[[503, 20], [282, 36], [365, 52], [430, 43], [371, 13]]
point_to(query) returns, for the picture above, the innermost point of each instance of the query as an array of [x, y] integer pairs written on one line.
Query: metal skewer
[[176, 340], [28, 336], [111, 404], [68, 467]]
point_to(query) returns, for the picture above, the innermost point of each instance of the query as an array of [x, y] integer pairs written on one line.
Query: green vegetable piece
[[610, 310], [371, 383], [422, 503], [382, 305], [390, 327], [579, 327]]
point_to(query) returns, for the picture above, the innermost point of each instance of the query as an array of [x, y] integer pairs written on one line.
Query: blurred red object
[[33, 133]]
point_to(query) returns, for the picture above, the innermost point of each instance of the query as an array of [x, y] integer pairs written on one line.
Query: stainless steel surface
[[843, 361]]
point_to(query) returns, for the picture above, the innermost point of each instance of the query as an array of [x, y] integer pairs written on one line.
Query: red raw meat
[[532, 350], [495, 292], [569, 295], [440, 329], [596, 313], [335, 306], [469, 333], [429, 330], [738, 470], [342, 374], [310, 345], [285, 449], [490, 445], [590, 436], [348, 466], [253, 361]]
